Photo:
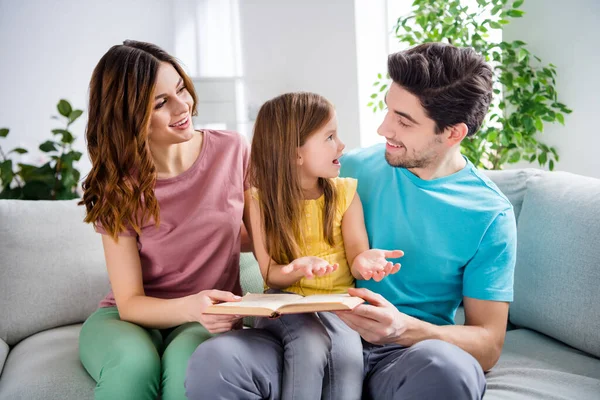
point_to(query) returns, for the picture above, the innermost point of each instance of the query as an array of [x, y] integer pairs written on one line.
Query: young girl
[[310, 238]]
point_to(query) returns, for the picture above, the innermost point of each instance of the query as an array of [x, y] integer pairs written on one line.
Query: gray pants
[[248, 364], [322, 356]]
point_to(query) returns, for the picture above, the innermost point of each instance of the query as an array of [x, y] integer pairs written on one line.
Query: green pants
[[131, 362]]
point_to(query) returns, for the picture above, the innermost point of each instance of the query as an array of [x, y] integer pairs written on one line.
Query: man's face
[[410, 133]]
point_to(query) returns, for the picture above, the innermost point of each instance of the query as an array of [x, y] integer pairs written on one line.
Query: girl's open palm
[[372, 264], [310, 267]]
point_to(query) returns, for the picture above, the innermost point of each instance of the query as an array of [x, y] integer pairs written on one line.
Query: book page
[[268, 301]]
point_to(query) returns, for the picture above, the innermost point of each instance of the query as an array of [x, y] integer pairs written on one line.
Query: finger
[[378, 276], [219, 328], [387, 269], [393, 253], [369, 296], [395, 269], [220, 295], [308, 273], [335, 267], [367, 275], [217, 318]]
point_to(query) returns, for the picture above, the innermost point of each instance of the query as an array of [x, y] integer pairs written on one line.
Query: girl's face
[[319, 156], [171, 120]]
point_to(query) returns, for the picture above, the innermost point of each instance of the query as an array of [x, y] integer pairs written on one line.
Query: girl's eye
[[330, 137]]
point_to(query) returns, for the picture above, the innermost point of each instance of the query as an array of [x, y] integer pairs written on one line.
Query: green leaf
[[522, 54], [542, 158], [48, 146], [379, 76], [514, 157], [369, 104], [517, 3], [383, 87], [551, 165], [495, 25], [64, 108], [496, 9], [376, 83], [539, 125], [560, 118], [381, 105], [4, 132], [482, 3], [36, 190], [515, 13], [18, 150], [74, 115], [6, 172], [374, 95], [532, 158], [67, 137]]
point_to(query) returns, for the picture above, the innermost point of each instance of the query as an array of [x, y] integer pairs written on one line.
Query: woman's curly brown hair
[[118, 193]]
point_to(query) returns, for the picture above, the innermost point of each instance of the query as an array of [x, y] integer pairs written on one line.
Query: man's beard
[[422, 160]]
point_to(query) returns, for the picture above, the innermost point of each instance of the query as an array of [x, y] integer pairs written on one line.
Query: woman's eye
[[159, 105], [181, 89]]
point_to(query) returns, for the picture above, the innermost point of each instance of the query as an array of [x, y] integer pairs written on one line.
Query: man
[[456, 228], [457, 231]]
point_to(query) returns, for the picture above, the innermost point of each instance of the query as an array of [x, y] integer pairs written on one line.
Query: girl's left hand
[[372, 264]]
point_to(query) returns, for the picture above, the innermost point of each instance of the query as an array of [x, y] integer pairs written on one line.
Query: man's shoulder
[[488, 192]]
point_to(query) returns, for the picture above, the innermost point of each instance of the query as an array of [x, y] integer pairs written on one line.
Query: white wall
[[49, 49], [566, 34], [291, 45]]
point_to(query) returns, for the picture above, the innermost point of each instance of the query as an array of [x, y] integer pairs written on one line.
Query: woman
[[168, 201]]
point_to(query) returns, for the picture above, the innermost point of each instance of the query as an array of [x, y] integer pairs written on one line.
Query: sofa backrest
[[52, 269], [513, 184], [557, 276]]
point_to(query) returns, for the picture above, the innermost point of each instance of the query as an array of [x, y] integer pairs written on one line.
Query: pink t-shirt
[[197, 245]]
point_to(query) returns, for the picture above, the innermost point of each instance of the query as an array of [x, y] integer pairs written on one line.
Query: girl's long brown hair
[[118, 193], [282, 125]]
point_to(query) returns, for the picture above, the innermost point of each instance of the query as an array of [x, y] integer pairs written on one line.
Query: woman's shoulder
[[225, 137]]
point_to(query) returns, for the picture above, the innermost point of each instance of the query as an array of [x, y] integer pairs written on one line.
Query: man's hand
[[378, 322], [373, 264], [310, 267]]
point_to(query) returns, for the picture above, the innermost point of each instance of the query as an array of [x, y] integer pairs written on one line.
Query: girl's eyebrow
[[160, 96]]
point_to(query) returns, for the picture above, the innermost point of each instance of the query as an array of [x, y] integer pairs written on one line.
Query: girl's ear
[[299, 159]]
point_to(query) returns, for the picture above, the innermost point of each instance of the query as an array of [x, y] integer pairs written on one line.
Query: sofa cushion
[[46, 366], [3, 354], [513, 184], [557, 275], [534, 366], [52, 270]]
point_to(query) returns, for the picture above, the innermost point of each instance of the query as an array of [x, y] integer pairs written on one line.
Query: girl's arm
[[278, 276], [125, 274], [364, 263]]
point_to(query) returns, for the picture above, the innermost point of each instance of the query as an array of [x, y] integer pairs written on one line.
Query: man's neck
[[450, 163]]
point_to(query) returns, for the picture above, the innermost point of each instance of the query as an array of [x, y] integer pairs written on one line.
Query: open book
[[273, 305]]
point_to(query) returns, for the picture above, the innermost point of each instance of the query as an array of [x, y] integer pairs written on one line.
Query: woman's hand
[[373, 264], [310, 267], [214, 323]]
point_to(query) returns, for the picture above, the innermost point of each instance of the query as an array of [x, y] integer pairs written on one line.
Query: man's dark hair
[[453, 84]]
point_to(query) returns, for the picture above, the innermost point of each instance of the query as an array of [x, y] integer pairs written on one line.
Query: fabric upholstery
[[557, 275], [534, 366], [513, 184], [46, 366], [52, 267]]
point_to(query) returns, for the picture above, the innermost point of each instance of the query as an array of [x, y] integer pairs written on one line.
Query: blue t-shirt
[[458, 234]]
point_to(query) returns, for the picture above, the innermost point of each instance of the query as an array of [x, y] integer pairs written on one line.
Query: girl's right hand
[[212, 322], [310, 267]]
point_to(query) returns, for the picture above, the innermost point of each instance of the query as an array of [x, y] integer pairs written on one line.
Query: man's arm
[[380, 322]]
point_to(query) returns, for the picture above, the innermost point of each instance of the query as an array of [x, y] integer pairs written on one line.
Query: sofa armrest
[[3, 354]]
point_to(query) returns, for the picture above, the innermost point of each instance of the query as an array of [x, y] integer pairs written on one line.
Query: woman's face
[[171, 120]]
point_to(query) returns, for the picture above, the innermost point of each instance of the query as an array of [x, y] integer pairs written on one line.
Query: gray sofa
[[52, 276]]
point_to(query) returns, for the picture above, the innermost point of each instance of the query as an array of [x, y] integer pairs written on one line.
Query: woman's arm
[[125, 274]]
